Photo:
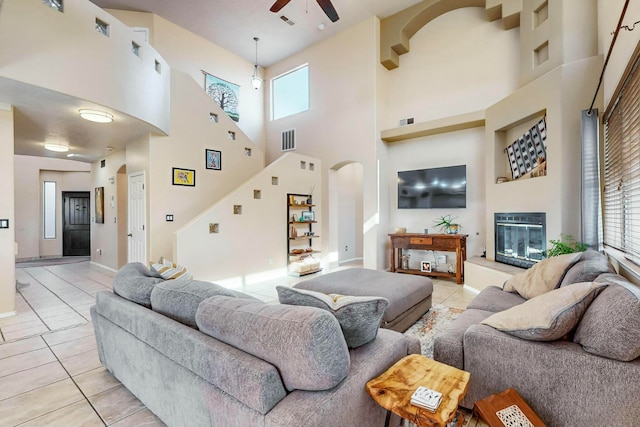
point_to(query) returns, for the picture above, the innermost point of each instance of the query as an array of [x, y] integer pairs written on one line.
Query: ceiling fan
[[326, 6]]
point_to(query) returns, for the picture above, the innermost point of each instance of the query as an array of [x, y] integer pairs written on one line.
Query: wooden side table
[[507, 405], [393, 389]]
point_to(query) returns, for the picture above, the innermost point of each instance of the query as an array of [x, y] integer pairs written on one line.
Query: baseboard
[[103, 266]]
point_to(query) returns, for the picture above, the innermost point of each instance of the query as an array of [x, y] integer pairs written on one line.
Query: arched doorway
[[346, 211]]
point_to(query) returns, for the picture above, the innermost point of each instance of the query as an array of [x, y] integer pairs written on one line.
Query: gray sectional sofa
[[198, 354], [589, 377]]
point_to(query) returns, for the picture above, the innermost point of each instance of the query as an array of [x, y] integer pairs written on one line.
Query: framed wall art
[[224, 93], [185, 177], [99, 205], [213, 159]]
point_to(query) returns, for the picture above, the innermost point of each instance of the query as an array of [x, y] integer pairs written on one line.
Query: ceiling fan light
[[96, 116], [58, 147]]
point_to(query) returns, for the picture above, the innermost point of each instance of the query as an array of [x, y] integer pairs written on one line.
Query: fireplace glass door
[[520, 239]]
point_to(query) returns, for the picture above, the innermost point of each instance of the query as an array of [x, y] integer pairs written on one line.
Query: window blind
[[621, 195]]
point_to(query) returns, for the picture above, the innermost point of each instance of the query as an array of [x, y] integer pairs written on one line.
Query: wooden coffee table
[[393, 389]]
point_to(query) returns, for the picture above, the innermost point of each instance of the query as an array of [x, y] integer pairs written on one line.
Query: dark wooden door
[[76, 234]]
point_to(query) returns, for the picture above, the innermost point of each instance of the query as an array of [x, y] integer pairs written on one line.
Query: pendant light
[[256, 81]]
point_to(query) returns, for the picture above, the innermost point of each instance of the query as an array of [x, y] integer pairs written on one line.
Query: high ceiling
[[232, 24], [42, 115]]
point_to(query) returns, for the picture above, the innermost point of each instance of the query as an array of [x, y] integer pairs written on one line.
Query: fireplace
[[520, 238]]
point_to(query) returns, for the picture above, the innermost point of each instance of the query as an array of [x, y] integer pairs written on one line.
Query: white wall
[[457, 148], [105, 237], [192, 54], [608, 15], [78, 56], [7, 211], [458, 63], [340, 126], [348, 197], [251, 246], [70, 175]]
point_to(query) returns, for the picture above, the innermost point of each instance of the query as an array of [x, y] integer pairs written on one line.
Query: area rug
[[435, 321]]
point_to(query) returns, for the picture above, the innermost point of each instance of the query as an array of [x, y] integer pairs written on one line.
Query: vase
[[452, 229]]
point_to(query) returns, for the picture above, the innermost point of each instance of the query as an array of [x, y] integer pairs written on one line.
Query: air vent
[[287, 20], [288, 139]]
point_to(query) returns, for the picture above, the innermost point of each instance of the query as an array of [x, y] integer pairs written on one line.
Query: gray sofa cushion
[[135, 282], [359, 317], [591, 265], [304, 343], [179, 299], [611, 325], [547, 317], [494, 299]]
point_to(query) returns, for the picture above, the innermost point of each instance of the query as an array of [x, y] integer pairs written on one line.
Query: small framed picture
[[307, 216], [184, 177], [425, 266], [213, 159]]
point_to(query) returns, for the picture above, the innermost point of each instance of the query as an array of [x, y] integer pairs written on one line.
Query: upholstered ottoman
[[409, 296]]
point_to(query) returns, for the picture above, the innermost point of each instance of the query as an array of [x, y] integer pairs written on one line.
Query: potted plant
[[566, 245], [447, 225]]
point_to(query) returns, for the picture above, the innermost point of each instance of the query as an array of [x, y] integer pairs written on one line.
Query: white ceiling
[[232, 24], [42, 115]]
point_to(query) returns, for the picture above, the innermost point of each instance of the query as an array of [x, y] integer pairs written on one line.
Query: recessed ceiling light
[[58, 146], [96, 116]]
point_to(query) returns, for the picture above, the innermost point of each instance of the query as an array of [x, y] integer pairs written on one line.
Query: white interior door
[[137, 217]]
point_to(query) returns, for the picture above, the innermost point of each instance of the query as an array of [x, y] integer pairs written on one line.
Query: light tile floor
[[50, 374]]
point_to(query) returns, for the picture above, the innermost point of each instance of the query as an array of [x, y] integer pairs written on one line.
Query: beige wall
[[450, 72], [251, 246], [69, 175], [340, 125], [7, 211], [192, 133], [105, 238], [78, 57], [192, 54], [608, 15]]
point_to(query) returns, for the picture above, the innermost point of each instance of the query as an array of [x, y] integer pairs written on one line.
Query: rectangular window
[[621, 198], [49, 209], [290, 93]]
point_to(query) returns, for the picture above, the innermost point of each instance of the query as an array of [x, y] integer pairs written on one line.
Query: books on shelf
[[426, 398]]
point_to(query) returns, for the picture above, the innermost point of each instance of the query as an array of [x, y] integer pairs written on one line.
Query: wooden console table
[[433, 242]]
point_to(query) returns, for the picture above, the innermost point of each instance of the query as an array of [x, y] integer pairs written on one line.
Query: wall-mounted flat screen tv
[[433, 188]]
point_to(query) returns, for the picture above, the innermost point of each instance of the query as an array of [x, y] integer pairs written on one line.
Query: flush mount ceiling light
[[57, 146], [256, 81], [96, 116]]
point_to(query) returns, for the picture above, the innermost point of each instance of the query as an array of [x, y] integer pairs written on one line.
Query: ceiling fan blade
[[279, 4], [329, 10]]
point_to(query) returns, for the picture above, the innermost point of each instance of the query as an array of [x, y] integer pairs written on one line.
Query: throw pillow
[[170, 271], [611, 325], [305, 344], [179, 299], [543, 277], [547, 317], [359, 317]]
